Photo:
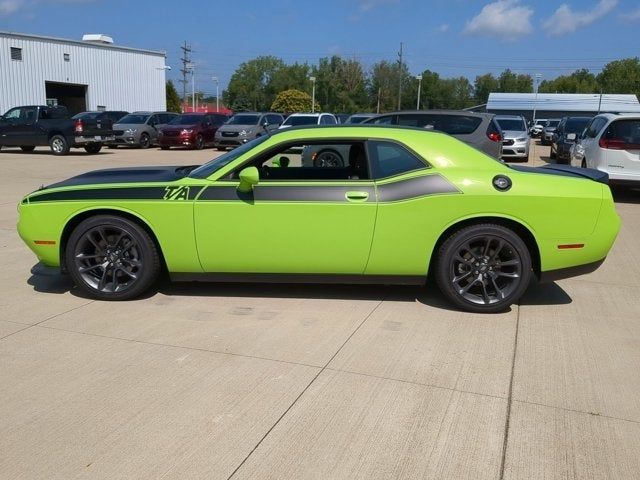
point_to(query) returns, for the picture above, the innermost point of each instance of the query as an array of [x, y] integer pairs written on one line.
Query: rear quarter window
[[389, 159], [451, 124]]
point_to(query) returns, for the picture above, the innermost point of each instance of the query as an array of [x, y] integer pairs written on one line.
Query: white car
[[297, 119], [611, 143]]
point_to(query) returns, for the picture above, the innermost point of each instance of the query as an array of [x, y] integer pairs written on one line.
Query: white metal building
[[556, 105], [82, 75]]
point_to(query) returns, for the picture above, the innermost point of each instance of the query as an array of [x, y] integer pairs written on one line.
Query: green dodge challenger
[[408, 203]]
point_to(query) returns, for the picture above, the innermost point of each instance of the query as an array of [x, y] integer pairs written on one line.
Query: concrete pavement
[[286, 381]]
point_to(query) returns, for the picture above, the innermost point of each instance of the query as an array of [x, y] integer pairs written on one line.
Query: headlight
[[131, 131], [522, 139], [186, 131]]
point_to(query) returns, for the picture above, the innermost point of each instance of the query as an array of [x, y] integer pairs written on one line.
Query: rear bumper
[[84, 139], [561, 273]]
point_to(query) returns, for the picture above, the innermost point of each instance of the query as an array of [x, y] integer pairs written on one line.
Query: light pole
[[215, 79], [419, 77], [537, 77], [313, 94]]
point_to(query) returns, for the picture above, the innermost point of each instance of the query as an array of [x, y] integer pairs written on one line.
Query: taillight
[[616, 144], [494, 136], [79, 126]]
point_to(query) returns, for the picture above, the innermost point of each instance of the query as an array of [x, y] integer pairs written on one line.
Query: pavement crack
[[305, 389], [510, 396]]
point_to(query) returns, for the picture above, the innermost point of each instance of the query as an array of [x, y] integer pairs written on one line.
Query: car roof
[[509, 117], [309, 114], [440, 112]]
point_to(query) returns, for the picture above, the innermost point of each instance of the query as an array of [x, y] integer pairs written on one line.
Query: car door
[[9, 126], [296, 220], [409, 195]]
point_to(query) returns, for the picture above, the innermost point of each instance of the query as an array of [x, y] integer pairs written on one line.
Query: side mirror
[[571, 136], [249, 178]]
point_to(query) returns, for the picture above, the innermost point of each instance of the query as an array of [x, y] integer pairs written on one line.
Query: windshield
[[575, 125], [186, 120], [243, 120], [134, 118], [553, 123], [306, 120], [216, 164], [357, 118], [511, 124]]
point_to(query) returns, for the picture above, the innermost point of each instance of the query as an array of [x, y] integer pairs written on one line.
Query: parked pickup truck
[[34, 126]]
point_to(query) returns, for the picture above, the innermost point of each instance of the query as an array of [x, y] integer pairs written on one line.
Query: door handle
[[357, 196]]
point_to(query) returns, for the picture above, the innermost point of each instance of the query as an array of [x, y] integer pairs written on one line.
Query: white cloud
[[7, 7], [368, 5], [443, 28], [632, 16], [506, 19], [565, 20]]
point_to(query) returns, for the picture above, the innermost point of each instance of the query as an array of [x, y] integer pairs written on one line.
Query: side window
[[594, 127], [219, 119], [153, 120], [331, 120], [13, 114], [337, 160], [389, 159], [386, 120]]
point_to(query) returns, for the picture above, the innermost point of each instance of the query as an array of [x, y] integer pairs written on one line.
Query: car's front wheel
[[483, 268], [145, 141], [112, 258]]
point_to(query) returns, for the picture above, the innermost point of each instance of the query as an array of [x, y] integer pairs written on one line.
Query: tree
[[509, 82], [248, 85], [341, 85], [383, 87], [580, 81], [292, 101], [621, 76], [173, 99], [483, 86]]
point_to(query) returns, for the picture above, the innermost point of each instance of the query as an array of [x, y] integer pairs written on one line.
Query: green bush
[[292, 101]]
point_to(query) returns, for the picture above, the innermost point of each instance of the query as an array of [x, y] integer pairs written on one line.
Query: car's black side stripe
[[288, 193], [122, 193], [414, 188]]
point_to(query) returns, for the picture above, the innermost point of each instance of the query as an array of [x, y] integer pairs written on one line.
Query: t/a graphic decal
[[176, 193]]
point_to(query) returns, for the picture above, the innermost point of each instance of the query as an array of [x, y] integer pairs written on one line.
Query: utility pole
[[185, 61], [400, 77]]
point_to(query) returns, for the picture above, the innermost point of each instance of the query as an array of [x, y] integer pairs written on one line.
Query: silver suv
[[515, 142], [140, 129], [299, 119], [245, 126], [479, 130]]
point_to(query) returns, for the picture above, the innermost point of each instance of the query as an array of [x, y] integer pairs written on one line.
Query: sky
[[451, 37]]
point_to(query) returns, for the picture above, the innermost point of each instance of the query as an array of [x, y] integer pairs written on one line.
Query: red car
[[191, 130]]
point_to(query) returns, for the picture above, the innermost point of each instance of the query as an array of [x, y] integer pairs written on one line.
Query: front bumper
[[519, 150], [165, 141], [126, 140]]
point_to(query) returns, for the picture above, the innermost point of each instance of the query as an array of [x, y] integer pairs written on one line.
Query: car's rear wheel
[[59, 145], [27, 148], [221, 149], [145, 141], [164, 147], [328, 159], [93, 147], [483, 268], [112, 258]]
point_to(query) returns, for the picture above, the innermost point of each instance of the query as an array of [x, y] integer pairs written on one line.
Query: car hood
[[235, 128], [126, 126], [126, 175], [513, 134], [180, 127]]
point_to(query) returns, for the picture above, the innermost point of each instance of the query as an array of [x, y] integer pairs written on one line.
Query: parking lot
[[291, 381]]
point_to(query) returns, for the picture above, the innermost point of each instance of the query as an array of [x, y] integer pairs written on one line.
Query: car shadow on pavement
[[45, 280], [624, 194]]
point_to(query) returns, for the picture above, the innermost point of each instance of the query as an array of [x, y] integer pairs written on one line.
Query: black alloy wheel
[[145, 141], [199, 143], [112, 258], [483, 268]]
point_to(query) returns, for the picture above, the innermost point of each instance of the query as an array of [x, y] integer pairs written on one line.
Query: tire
[[494, 253], [329, 159], [221, 149], [59, 145], [112, 246], [145, 141], [164, 148], [93, 147], [199, 143], [552, 153], [28, 148]]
